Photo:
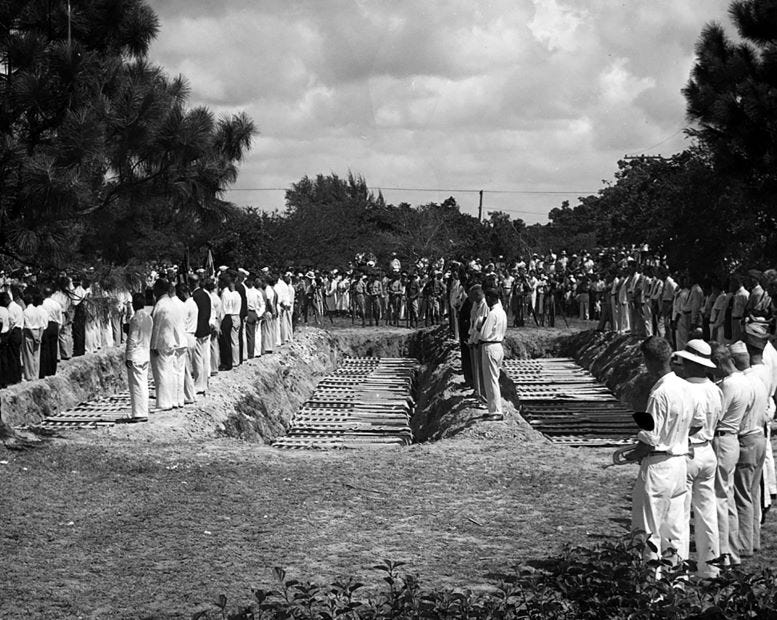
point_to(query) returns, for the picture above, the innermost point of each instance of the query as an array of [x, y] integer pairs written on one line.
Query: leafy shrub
[[609, 581]]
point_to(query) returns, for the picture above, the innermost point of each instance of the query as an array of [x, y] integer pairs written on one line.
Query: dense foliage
[[99, 155], [608, 581]]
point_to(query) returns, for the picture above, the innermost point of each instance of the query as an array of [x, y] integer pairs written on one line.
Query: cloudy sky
[[532, 97]]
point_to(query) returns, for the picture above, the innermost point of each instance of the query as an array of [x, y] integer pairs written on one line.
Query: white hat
[[698, 352], [310, 275], [265, 270], [243, 271], [288, 274], [223, 268]]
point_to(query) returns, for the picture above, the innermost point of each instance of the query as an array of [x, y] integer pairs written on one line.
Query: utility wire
[[428, 189]]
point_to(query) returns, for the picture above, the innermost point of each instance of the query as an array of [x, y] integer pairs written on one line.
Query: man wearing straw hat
[[700, 496], [658, 504]]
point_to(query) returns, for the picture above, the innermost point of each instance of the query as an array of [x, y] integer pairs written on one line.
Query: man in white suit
[[137, 356], [168, 347]]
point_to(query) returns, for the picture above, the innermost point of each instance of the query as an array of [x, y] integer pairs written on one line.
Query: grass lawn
[[132, 531]]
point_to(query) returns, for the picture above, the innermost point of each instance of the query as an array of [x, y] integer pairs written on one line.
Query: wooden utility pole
[[480, 207]]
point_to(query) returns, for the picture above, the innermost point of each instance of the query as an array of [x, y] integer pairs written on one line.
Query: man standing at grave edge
[[492, 333]]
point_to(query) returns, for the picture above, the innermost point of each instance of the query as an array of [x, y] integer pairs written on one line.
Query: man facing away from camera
[[137, 357], [658, 504]]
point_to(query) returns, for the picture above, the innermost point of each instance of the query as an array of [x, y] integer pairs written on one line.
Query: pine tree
[[732, 93], [94, 137]]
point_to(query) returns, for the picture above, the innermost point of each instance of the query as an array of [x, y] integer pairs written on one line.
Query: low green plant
[[607, 581]]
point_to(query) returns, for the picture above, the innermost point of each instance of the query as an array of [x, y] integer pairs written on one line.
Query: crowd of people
[[705, 445], [704, 448]]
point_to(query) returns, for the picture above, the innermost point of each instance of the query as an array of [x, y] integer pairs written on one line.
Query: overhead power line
[[438, 190]]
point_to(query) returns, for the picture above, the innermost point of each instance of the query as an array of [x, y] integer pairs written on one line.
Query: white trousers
[[286, 325], [276, 328], [234, 339], [701, 497], [188, 377], [658, 503], [623, 317], [769, 477], [491, 359], [215, 354], [727, 452], [268, 336], [163, 366], [179, 365], [137, 380], [477, 375], [747, 494], [201, 364]]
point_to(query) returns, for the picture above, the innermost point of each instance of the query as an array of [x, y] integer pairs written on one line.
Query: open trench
[[259, 400]]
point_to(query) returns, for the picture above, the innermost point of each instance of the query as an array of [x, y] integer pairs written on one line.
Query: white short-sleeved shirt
[[674, 412], [709, 403], [738, 398]]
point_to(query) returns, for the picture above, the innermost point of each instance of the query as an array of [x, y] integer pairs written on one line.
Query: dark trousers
[[79, 330], [4, 359], [240, 339], [250, 337], [13, 356], [466, 363], [48, 350], [550, 309], [519, 303], [225, 343]]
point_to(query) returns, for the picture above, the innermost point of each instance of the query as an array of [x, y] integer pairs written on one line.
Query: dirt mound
[[446, 408], [615, 360]]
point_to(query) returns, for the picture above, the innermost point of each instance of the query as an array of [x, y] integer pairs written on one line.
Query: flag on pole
[[210, 266]]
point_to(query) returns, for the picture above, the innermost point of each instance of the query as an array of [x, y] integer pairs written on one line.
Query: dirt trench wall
[[445, 407], [615, 360], [81, 378]]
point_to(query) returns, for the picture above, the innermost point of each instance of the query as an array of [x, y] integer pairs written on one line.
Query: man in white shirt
[[216, 316], [49, 344], [35, 321], [667, 306], [166, 340], [190, 328], [231, 303], [658, 506], [752, 449], [477, 315], [456, 297], [769, 473], [137, 357], [738, 397], [255, 301], [14, 341], [490, 337], [285, 295], [738, 301], [269, 331], [5, 329], [64, 297], [702, 466]]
